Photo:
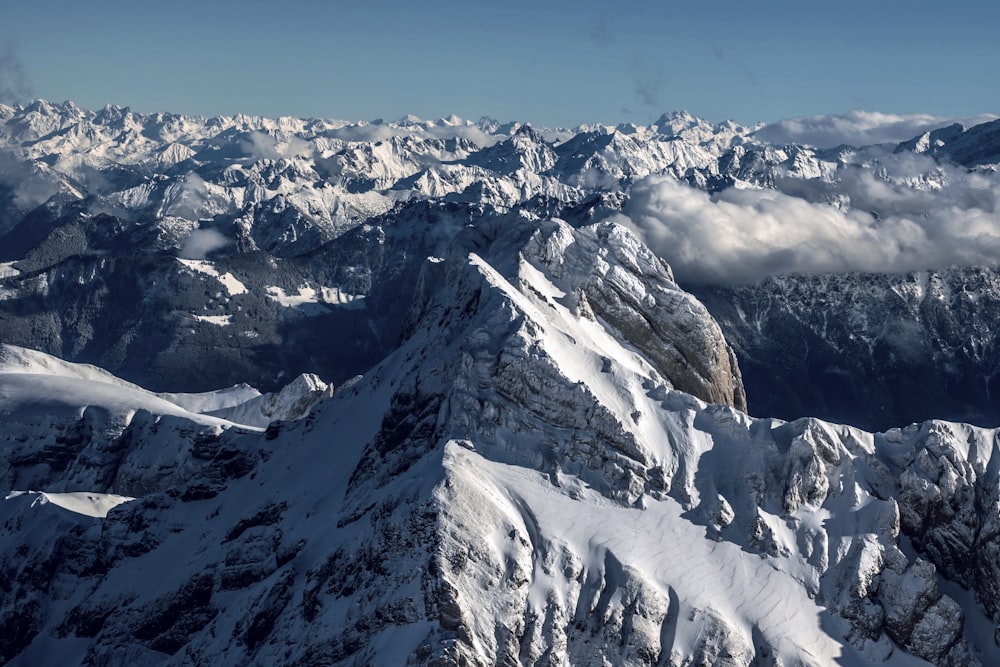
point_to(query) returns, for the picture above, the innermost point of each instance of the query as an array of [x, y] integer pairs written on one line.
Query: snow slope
[[96, 505]]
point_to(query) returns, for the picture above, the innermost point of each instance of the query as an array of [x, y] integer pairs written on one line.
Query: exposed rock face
[[617, 279], [947, 485], [874, 350]]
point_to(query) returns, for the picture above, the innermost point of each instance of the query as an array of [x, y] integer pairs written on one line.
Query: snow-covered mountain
[[520, 482], [181, 253], [191, 253], [535, 449]]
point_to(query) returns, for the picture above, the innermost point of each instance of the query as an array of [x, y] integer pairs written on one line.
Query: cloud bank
[[742, 236], [858, 128]]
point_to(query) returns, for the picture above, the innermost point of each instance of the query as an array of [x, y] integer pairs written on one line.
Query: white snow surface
[[217, 320], [293, 401], [233, 286], [302, 296], [667, 551], [88, 504], [213, 400], [312, 300], [35, 382]]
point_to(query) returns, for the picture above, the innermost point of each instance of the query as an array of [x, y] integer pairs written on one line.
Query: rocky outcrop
[[633, 292]]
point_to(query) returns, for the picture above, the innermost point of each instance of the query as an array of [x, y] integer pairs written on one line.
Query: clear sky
[[549, 63]]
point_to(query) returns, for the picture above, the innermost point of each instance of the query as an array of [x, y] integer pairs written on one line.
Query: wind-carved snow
[[656, 544], [35, 384], [293, 401], [209, 401]]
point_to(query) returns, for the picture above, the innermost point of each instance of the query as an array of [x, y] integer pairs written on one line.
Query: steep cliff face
[[633, 292]]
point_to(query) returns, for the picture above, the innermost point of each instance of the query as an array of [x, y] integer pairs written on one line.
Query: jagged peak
[[677, 116]]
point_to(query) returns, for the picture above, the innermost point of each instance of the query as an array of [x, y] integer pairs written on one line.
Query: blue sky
[[550, 63]]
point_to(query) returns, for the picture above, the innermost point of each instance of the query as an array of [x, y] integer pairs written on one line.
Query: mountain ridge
[[496, 501]]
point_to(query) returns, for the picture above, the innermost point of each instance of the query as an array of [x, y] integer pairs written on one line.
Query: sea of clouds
[[905, 213]]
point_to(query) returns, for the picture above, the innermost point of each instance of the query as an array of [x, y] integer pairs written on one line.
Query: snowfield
[[88, 504]]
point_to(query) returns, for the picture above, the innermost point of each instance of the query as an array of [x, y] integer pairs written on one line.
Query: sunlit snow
[[228, 280], [89, 504]]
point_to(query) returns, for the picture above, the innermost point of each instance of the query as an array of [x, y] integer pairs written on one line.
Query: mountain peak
[[526, 131], [969, 147]]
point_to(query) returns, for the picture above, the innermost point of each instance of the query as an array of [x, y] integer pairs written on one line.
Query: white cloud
[[858, 128], [262, 146], [200, 242], [32, 186], [746, 235]]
